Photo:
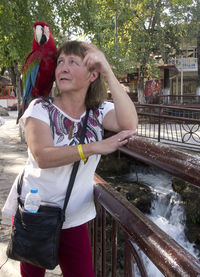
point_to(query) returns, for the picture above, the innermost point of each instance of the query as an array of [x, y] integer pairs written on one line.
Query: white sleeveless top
[[52, 182]]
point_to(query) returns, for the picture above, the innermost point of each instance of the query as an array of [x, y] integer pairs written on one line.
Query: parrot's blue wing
[[29, 77], [29, 80]]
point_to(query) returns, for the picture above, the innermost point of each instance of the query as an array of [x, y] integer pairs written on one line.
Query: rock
[[3, 111], [178, 185], [138, 194], [192, 233], [191, 198], [113, 165]]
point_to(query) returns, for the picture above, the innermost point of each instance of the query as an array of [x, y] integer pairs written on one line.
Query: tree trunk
[[140, 85], [19, 98], [3, 69], [140, 89], [12, 75], [166, 89], [18, 85]]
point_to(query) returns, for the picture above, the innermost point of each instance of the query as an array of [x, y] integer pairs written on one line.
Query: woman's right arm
[[40, 142]]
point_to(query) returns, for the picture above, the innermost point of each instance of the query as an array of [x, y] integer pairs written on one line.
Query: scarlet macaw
[[38, 69]]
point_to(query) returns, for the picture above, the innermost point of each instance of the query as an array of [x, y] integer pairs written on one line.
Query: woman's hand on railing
[[114, 142]]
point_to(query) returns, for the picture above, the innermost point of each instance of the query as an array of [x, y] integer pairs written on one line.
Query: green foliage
[[130, 32], [16, 32]]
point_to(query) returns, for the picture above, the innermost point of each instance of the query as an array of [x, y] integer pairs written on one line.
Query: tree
[[16, 35], [132, 32], [194, 32]]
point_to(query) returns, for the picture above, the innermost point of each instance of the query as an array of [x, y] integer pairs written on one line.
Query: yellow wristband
[[80, 151]]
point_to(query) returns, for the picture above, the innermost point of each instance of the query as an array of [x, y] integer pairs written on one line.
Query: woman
[[52, 149]]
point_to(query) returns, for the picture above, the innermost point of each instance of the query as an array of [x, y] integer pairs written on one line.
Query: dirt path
[[13, 156]]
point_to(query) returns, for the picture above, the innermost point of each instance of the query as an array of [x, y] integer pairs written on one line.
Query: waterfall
[[167, 210]]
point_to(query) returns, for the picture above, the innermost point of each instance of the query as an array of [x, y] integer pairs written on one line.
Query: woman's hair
[[96, 93]]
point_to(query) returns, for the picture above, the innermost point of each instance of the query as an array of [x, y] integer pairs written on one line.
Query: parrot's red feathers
[[38, 69]]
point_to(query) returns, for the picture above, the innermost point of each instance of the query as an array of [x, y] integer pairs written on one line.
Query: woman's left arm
[[124, 116]]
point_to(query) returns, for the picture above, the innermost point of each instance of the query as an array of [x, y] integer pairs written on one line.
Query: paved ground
[[12, 159]]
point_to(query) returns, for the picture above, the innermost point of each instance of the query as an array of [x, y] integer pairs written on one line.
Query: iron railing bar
[[166, 107], [114, 247], [128, 263], [138, 260], [145, 129], [95, 245], [103, 243], [150, 128], [171, 129], [177, 132], [167, 131], [159, 124], [181, 143], [182, 119]]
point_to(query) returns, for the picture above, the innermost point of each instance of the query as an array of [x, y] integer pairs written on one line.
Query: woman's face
[[71, 74]]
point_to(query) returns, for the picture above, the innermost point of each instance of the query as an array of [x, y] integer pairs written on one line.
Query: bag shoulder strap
[[76, 164], [49, 100]]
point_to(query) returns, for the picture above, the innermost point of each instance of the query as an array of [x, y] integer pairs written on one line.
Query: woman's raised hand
[[96, 60]]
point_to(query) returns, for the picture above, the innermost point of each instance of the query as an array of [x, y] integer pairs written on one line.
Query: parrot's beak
[[40, 35], [43, 39]]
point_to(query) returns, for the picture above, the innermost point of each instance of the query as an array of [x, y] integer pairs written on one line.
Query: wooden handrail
[[170, 258], [182, 165]]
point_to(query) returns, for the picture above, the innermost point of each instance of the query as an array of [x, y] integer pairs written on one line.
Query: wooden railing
[[118, 220]]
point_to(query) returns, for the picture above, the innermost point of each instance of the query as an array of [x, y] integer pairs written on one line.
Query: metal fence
[[173, 99], [170, 124], [118, 220]]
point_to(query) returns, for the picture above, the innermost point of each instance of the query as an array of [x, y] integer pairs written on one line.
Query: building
[[7, 94], [180, 78]]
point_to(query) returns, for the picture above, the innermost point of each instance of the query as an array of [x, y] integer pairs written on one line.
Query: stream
[[166, 210]]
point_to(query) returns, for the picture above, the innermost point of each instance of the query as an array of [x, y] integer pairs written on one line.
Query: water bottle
[[32, 201]]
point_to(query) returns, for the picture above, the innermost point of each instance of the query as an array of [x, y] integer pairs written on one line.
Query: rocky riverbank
[[191, 198], [112, 168]]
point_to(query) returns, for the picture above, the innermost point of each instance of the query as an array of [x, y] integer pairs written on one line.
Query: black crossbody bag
[[35, 236]]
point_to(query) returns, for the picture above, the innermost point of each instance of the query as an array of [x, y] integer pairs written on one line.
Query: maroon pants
[[75, 257]]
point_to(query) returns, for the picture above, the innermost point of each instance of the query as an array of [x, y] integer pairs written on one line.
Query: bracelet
[[80, 151]]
